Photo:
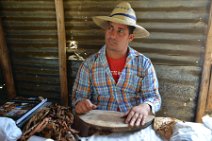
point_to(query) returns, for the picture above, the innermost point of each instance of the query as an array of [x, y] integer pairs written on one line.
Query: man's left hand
[[137, 115]]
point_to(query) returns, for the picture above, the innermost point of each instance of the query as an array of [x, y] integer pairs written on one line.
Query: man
[[118, 78]]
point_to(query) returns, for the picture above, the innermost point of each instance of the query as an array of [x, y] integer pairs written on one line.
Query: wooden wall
[[176, 46]]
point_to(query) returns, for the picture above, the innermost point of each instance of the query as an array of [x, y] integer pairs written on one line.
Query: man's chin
[[111, 45]]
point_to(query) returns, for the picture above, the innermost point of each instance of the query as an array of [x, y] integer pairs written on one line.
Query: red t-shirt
[[116, 66]]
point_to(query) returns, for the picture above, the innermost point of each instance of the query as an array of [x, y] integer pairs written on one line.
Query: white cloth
[[207, 121], [8, 130], [190, 131], [147, 134], [38, 138]]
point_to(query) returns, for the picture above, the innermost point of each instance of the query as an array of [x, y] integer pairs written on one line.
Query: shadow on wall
[[3, 94]]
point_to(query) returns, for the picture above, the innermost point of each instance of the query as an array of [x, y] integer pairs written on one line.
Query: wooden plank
[[6, 65], [203, 94], [209, 99], [62, 51]]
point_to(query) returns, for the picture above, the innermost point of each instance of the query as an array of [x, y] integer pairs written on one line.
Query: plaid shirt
[[137, 83]]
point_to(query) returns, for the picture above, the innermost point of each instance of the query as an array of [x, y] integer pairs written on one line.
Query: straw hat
[[122, 14]]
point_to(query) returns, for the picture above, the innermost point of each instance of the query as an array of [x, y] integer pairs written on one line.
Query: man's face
[[117, 37]]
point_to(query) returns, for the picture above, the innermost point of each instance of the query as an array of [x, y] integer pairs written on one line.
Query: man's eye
[[109, 27], [120, 30]]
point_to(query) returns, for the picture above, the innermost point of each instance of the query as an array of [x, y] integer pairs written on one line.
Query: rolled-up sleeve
[[150, 87], [81, 88]]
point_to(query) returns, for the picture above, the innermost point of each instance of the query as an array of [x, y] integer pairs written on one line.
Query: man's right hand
[[84, 106]]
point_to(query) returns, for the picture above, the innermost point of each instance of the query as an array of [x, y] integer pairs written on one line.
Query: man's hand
[[84, 106], [137, 115]]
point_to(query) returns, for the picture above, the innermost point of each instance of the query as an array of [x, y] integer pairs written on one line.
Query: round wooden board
[[107, 121]]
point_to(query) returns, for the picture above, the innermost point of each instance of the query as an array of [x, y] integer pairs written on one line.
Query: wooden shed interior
[[43, 42]]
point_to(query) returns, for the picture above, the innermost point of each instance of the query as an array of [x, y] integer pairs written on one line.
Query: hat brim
[[102, 21]]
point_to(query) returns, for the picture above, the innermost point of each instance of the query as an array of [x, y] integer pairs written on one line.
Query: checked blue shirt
[[137, 83]]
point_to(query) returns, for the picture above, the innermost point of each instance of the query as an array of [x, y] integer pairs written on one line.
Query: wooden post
[[209, 99], [203, 94], [62, 51], [6, 65]]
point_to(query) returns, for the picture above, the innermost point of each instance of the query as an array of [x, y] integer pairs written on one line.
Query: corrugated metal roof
[[31, 33]]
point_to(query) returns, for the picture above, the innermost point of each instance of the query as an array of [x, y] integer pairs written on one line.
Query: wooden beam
[[203, 94], [6, 65], [62, 51], [209, 99]]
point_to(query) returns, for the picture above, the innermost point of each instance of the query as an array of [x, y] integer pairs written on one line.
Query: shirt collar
[[102, 54]]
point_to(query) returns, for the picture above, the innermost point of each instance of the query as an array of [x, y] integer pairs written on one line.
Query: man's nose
[[113, 34]]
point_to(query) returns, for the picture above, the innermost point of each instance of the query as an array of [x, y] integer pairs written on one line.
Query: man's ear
[[131, 37]]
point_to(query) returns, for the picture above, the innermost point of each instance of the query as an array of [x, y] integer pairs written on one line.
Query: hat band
[[122, 14]]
